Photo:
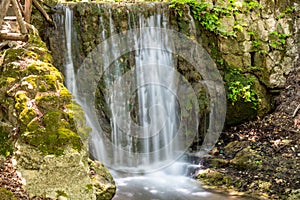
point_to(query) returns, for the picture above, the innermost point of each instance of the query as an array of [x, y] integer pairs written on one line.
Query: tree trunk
[[4, 4]]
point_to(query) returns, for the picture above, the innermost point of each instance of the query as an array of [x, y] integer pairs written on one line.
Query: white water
[[69, 67], [137, 146], [157, 118]]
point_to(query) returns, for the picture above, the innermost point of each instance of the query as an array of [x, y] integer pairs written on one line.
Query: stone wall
[[253, 44]]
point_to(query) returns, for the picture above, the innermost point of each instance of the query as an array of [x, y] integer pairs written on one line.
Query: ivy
[[289, 10], [240, 87], [209, 16], [277, 40]]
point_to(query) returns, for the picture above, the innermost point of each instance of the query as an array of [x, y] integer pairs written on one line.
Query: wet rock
[[102, 181]]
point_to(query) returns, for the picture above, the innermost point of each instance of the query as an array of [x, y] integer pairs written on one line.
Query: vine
[[209, 16], [240, 87]]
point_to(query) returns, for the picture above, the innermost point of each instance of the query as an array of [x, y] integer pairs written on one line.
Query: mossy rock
[[102, 181], [39, 83], [295, 195], [47, 101], [52, 134], [27, 115], [218, 179], [43, 68], [6, 146], [77, 120], [234, 147], [239, 112], [247, 159], [21, 100], [6, 194]]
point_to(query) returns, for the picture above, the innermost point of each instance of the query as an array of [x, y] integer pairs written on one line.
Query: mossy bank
[[43, 128]]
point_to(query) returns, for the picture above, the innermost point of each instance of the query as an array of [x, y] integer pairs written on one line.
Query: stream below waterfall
[[169, 184], [160, 186]]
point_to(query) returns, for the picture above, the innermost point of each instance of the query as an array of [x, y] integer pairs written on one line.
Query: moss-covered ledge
[[43, 128]]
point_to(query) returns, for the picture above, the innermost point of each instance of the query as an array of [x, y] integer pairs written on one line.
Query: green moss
[[76, 114], [6, 147], [27, 115], [13, 55], [218, 179], [6, 194], [64, 95], [66, 136], [21, 100], [36, 41], [47, 101], [60, 193], [6, 83], [77, 120], [52, 120], [54, 135], [43, 68], [33, 125], [89, 187], [247, 159]]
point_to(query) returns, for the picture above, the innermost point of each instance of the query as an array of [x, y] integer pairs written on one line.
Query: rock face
[[252, 45], [44, 128]]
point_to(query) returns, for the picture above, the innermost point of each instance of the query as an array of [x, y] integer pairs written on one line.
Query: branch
[[42, 11], [296, 110]]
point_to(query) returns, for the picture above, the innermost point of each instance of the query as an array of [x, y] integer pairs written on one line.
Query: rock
[[51, 134], [65, 175], [295, 195], [246, 159], [102, 181]]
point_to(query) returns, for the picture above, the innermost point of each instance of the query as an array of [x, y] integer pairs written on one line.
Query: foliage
[[289, 10], [277, 40], [209, 16], [240, 87], [253, 5]]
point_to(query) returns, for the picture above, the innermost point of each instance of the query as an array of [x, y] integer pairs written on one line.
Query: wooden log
[[27, 10], [42, 11], [19, 16], [13, 36], [4, 4]]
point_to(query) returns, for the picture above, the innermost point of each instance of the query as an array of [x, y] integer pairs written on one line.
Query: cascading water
[[69, 67], [144, 101]]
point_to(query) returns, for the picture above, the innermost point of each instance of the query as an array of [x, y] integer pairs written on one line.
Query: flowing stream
[[145, 144]]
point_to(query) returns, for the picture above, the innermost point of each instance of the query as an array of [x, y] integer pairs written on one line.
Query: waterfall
[[69, 67], [151, 110]]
